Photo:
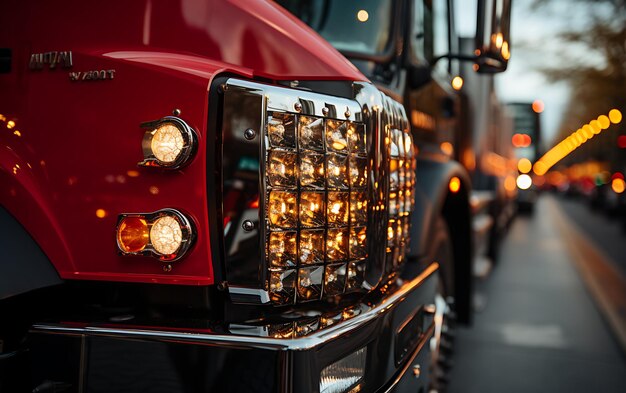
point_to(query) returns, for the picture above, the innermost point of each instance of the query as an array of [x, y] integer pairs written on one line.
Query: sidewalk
[[540, 330]]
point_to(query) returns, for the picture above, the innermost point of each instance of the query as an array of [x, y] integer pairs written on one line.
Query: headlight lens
[[402, 167], [342, 375], [168, 143], [316, 211], [166, 235]]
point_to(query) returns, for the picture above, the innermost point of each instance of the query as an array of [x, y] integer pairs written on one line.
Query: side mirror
[[493, 45]]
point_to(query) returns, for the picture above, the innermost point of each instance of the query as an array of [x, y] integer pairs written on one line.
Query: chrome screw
[[249, 134], [298, 107], [325, 111], [247, 225], [176, 112], [347, 112], [167, 268]]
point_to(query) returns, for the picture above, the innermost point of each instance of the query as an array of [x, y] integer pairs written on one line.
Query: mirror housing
[[493, 44]]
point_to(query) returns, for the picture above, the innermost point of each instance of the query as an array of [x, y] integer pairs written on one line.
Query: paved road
[[605, 231], [540, 330]]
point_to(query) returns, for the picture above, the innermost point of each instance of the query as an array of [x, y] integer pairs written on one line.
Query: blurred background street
[[540, 324]]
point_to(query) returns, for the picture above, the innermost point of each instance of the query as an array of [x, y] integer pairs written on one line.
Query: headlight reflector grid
[[316, 206]]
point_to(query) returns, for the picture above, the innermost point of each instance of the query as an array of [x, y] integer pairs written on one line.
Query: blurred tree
[[593, 62]]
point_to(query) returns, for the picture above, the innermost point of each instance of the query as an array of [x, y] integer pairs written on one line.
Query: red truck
[[207, 196]]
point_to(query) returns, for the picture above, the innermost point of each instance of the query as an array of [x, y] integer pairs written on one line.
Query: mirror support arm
[[452, 56]]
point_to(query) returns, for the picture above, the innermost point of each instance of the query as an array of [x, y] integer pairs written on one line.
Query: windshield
[[361, 26]]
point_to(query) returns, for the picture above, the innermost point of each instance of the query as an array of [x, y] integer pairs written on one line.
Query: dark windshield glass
[[349, 25]]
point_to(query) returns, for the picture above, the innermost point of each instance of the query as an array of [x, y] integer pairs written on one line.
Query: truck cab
[[411, 50]]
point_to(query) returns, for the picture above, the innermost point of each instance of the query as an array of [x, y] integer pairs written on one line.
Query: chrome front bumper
[[395, 327]]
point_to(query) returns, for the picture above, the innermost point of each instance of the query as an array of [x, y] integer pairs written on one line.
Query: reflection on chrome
[[297, 325]]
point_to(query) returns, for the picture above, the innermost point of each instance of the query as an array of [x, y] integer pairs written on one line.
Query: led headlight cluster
[[166, 234], [168, 143], [316, 176], [401, 198]]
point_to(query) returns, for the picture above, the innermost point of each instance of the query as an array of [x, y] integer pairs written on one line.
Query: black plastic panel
[[23, 266]]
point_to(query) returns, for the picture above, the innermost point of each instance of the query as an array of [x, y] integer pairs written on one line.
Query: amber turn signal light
[[132, 234]]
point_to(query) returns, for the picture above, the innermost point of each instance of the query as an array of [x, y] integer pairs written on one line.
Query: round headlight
[[167, 143], [166, 235]]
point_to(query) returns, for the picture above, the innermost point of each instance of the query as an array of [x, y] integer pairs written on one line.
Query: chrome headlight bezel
[[187, 151]]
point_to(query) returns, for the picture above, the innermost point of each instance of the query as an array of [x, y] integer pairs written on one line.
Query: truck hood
[[259, 35]]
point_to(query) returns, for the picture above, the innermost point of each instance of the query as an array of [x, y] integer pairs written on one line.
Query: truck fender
[[24, 266], [433, 199]]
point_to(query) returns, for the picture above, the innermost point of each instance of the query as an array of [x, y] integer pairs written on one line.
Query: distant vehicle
[[527, 143]]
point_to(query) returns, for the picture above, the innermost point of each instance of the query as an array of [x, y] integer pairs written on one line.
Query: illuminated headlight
[[168, 143], [344, 374], [316, 209], [402, 167], [166, 234]]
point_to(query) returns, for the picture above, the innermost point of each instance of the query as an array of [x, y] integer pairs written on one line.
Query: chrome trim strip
[[263, 295], [285, 100], [235, 340]]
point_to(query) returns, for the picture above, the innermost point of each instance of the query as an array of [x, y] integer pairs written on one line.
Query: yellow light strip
[[574, 140]]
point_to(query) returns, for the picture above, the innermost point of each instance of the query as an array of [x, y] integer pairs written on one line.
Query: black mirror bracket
[[452, 56]]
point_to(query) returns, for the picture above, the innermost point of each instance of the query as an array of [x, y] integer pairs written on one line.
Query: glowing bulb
[[457, 83], [506, 54], [455, 185], [524, 165], [166, 235], [524, 182], [447, 148], [362, 16], [618, 185], [595, 126], [604, 122], [615, 116], [538, 106], [132, 234], [167, 143]]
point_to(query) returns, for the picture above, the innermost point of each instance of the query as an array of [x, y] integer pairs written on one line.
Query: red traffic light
[[521, 140]]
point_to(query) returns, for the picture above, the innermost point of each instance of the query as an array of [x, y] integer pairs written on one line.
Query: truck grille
[[308, 180]]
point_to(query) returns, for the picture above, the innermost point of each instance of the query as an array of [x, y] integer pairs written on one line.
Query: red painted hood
[[254, 34], [259, 35]]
